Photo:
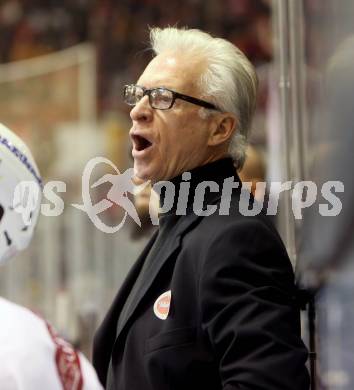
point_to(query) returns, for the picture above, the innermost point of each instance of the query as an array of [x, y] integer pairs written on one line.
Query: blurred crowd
[[119, 31]]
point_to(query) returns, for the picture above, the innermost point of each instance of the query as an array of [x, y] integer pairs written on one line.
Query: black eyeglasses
[[160, 98]]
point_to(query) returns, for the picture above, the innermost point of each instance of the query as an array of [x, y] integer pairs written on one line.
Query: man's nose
[[142, 111]]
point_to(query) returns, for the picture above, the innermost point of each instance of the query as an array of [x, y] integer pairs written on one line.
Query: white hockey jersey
[[34, 357]]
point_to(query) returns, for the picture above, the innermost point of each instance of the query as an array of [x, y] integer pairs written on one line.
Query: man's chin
[[152, 171], [141, 175]]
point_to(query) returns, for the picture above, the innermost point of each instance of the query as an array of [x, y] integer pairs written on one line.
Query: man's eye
[[161, 96]]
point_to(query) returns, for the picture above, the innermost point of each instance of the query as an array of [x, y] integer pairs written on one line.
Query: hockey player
[[32, 355]]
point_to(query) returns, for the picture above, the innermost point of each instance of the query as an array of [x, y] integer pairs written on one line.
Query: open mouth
[[140, 143]]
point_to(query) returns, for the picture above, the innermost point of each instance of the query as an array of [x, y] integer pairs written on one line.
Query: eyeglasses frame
[[175, 95]]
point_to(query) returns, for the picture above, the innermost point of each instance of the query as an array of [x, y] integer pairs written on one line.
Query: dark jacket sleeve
[[248, 309]]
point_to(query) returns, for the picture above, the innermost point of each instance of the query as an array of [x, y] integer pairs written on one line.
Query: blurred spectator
[[119, 29]]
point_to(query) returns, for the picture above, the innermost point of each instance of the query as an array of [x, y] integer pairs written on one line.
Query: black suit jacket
[[233, 322]]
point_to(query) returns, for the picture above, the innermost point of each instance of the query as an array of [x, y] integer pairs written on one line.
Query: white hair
[[229, 81]]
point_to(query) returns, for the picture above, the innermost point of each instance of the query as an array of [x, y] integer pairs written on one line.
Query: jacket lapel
[[184, 224], [106, 333], [132, 275]]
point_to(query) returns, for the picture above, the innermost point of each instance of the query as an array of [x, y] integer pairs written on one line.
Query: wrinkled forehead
[[175, 71]]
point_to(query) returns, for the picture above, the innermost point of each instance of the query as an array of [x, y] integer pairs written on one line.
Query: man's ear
[[223, 126]]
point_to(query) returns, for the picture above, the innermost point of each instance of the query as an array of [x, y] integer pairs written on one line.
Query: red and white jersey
[[33, 356]]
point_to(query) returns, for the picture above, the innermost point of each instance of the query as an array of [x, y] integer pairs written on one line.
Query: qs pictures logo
[[304, 194], [122, 184]]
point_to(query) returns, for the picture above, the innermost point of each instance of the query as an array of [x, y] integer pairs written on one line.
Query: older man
[[210, 303]]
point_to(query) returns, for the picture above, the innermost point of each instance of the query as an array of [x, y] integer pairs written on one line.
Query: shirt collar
[[216, 171]]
